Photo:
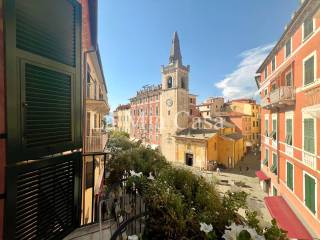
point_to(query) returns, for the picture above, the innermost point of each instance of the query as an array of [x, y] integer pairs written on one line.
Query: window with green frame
[[274, 167], [289, 79], [266, 126], [308, 135], [266, 157], [274, 191], [307, 27], [310, 192], [274, 129], [288, 48], [290, 175], [273, 64], [45, 88], [289, 131], [266, 73], [265, 92], [309, 71]]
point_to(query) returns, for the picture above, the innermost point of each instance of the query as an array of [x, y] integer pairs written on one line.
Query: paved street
[[246, 180]]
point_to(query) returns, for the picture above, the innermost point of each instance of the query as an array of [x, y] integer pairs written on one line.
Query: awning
[[286, 219], [262, 176]]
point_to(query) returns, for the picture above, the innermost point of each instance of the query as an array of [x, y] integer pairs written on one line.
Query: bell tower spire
[[175, 52], [174, 99]]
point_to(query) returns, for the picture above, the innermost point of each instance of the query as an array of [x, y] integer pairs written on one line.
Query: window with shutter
[[274, 130], [273, 64], [274, 191], [43, 56], [308, 131], [266, 126], [289, 131], [309, 73], [307, 28], [274, 167], [266, 158], [290, 175], [289, 79], [288, 48], [266, 73], [309, 192]]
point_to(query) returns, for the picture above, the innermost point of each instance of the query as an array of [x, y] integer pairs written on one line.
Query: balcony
[[96, 101], [96, 142], [280, 97]]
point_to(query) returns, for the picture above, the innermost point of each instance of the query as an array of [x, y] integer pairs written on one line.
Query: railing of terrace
[[95, 169], [96, 141], [126, 207]]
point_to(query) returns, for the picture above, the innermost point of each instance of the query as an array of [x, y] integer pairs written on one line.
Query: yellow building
[[207, 143], [123, 115], [251, 108], [211, 106]]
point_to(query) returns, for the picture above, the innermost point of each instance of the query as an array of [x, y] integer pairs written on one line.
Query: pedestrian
[[218, 171], [247, 168]]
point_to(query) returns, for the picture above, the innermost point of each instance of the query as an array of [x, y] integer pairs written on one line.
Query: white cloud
[[240, 83]]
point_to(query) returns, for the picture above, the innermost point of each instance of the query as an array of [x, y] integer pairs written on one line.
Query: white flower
[[150, 176], [133, 173], [205, 227], [193, 209], [133, 237], [235, 230]]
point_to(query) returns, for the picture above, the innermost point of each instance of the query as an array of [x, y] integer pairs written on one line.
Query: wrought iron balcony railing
[[280, 97]]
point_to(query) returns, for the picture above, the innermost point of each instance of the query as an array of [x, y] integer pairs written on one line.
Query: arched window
[[183, 83], [169, 82]]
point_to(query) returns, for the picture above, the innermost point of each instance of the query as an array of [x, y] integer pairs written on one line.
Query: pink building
[[145, 115]]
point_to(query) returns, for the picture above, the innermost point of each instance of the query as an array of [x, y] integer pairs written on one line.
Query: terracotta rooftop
[[230, 114], [123, 107], [234, 136]]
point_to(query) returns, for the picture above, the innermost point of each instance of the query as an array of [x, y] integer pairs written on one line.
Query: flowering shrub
[[180, 204]]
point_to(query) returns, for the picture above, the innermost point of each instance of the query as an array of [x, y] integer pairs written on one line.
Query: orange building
[[241, 121], [289, 87]]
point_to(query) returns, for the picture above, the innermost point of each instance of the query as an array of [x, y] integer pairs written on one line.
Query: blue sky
[[223, 41]]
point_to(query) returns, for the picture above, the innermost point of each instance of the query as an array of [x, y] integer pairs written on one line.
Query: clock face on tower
[[169, 102]]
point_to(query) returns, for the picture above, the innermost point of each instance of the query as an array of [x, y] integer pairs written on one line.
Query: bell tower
[[174, 107]]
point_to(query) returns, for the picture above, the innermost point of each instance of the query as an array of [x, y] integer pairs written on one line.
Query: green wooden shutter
[[289, 79], [309, 71], [290, 175], [309, 141], [289, 131], [310, 197], [308, 27], [43, 59], [288, 47], [266, 126]]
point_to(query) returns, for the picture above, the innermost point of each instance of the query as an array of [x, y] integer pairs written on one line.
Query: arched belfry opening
[[183, 83], [169, 82]]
